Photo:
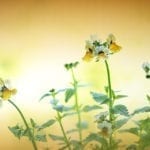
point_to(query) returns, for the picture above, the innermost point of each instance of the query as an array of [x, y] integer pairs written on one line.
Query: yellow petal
[[6, 94], [114, 47], [102, 55], [88, 56], [13, 91]]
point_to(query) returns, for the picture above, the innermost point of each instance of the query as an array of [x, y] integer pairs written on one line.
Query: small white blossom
[[111, 38], [94, 38], [105, 127], [101, 116]]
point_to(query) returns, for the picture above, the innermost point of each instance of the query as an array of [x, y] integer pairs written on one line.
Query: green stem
[[77, 106], [110, 99], [63, 131], [26, 124], [59, 118]]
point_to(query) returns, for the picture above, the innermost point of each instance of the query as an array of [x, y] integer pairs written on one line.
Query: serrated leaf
[[41, 138], [100, 98], [68, 94], [131, 130], [17, 131], [120, 109], [88, 108], [45, 95], [141, 110], [46, 124], [95, 137], [82, 125], [56, 137], [120, 123]]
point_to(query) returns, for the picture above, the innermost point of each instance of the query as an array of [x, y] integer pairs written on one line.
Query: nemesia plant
[[110, 116], [6, 92], [107, 121]]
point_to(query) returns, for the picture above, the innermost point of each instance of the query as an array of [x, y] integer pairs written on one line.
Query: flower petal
[[114, 47], [88, 56]]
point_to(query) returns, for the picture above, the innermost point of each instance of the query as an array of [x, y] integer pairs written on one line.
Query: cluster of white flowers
[[95, 48], [103, 124]]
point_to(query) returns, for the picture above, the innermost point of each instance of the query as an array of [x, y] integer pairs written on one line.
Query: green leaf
[[144, 142], [100, 98], [148, 97], [65, 108], [82, 125], [131, 130], [141, 110], [120, 96], [17, 131], [88, 108], [69, 114], [76, 144], [71, 131], [46, 124], [95, 137], [145, 124], [120, 109], [56, 137], [120, 123], [58, 107], [41, 138], [68, 94], [45, 95], [33, 123]]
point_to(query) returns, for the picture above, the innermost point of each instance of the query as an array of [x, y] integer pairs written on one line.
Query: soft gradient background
[[37, 37]]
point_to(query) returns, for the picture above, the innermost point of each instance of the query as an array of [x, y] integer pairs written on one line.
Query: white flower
[[99, 49], [101, 116], [94, 38], [89, 45], [111, 39], [105, 127]]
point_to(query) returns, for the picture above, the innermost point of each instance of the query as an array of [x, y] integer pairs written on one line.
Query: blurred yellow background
[[37, 37]]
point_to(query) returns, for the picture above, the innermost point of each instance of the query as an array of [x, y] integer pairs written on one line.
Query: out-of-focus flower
[[96, 49], [6, 91], [105, 128], [101, 116], [146, 68]]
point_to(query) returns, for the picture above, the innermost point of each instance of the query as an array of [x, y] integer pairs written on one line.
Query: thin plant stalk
[[59, 119], [110, 105], [26, 124], [77, 106]]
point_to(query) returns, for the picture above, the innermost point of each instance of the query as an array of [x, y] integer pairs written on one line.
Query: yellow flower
[[114, 47], [88, 56], [5, 91]]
